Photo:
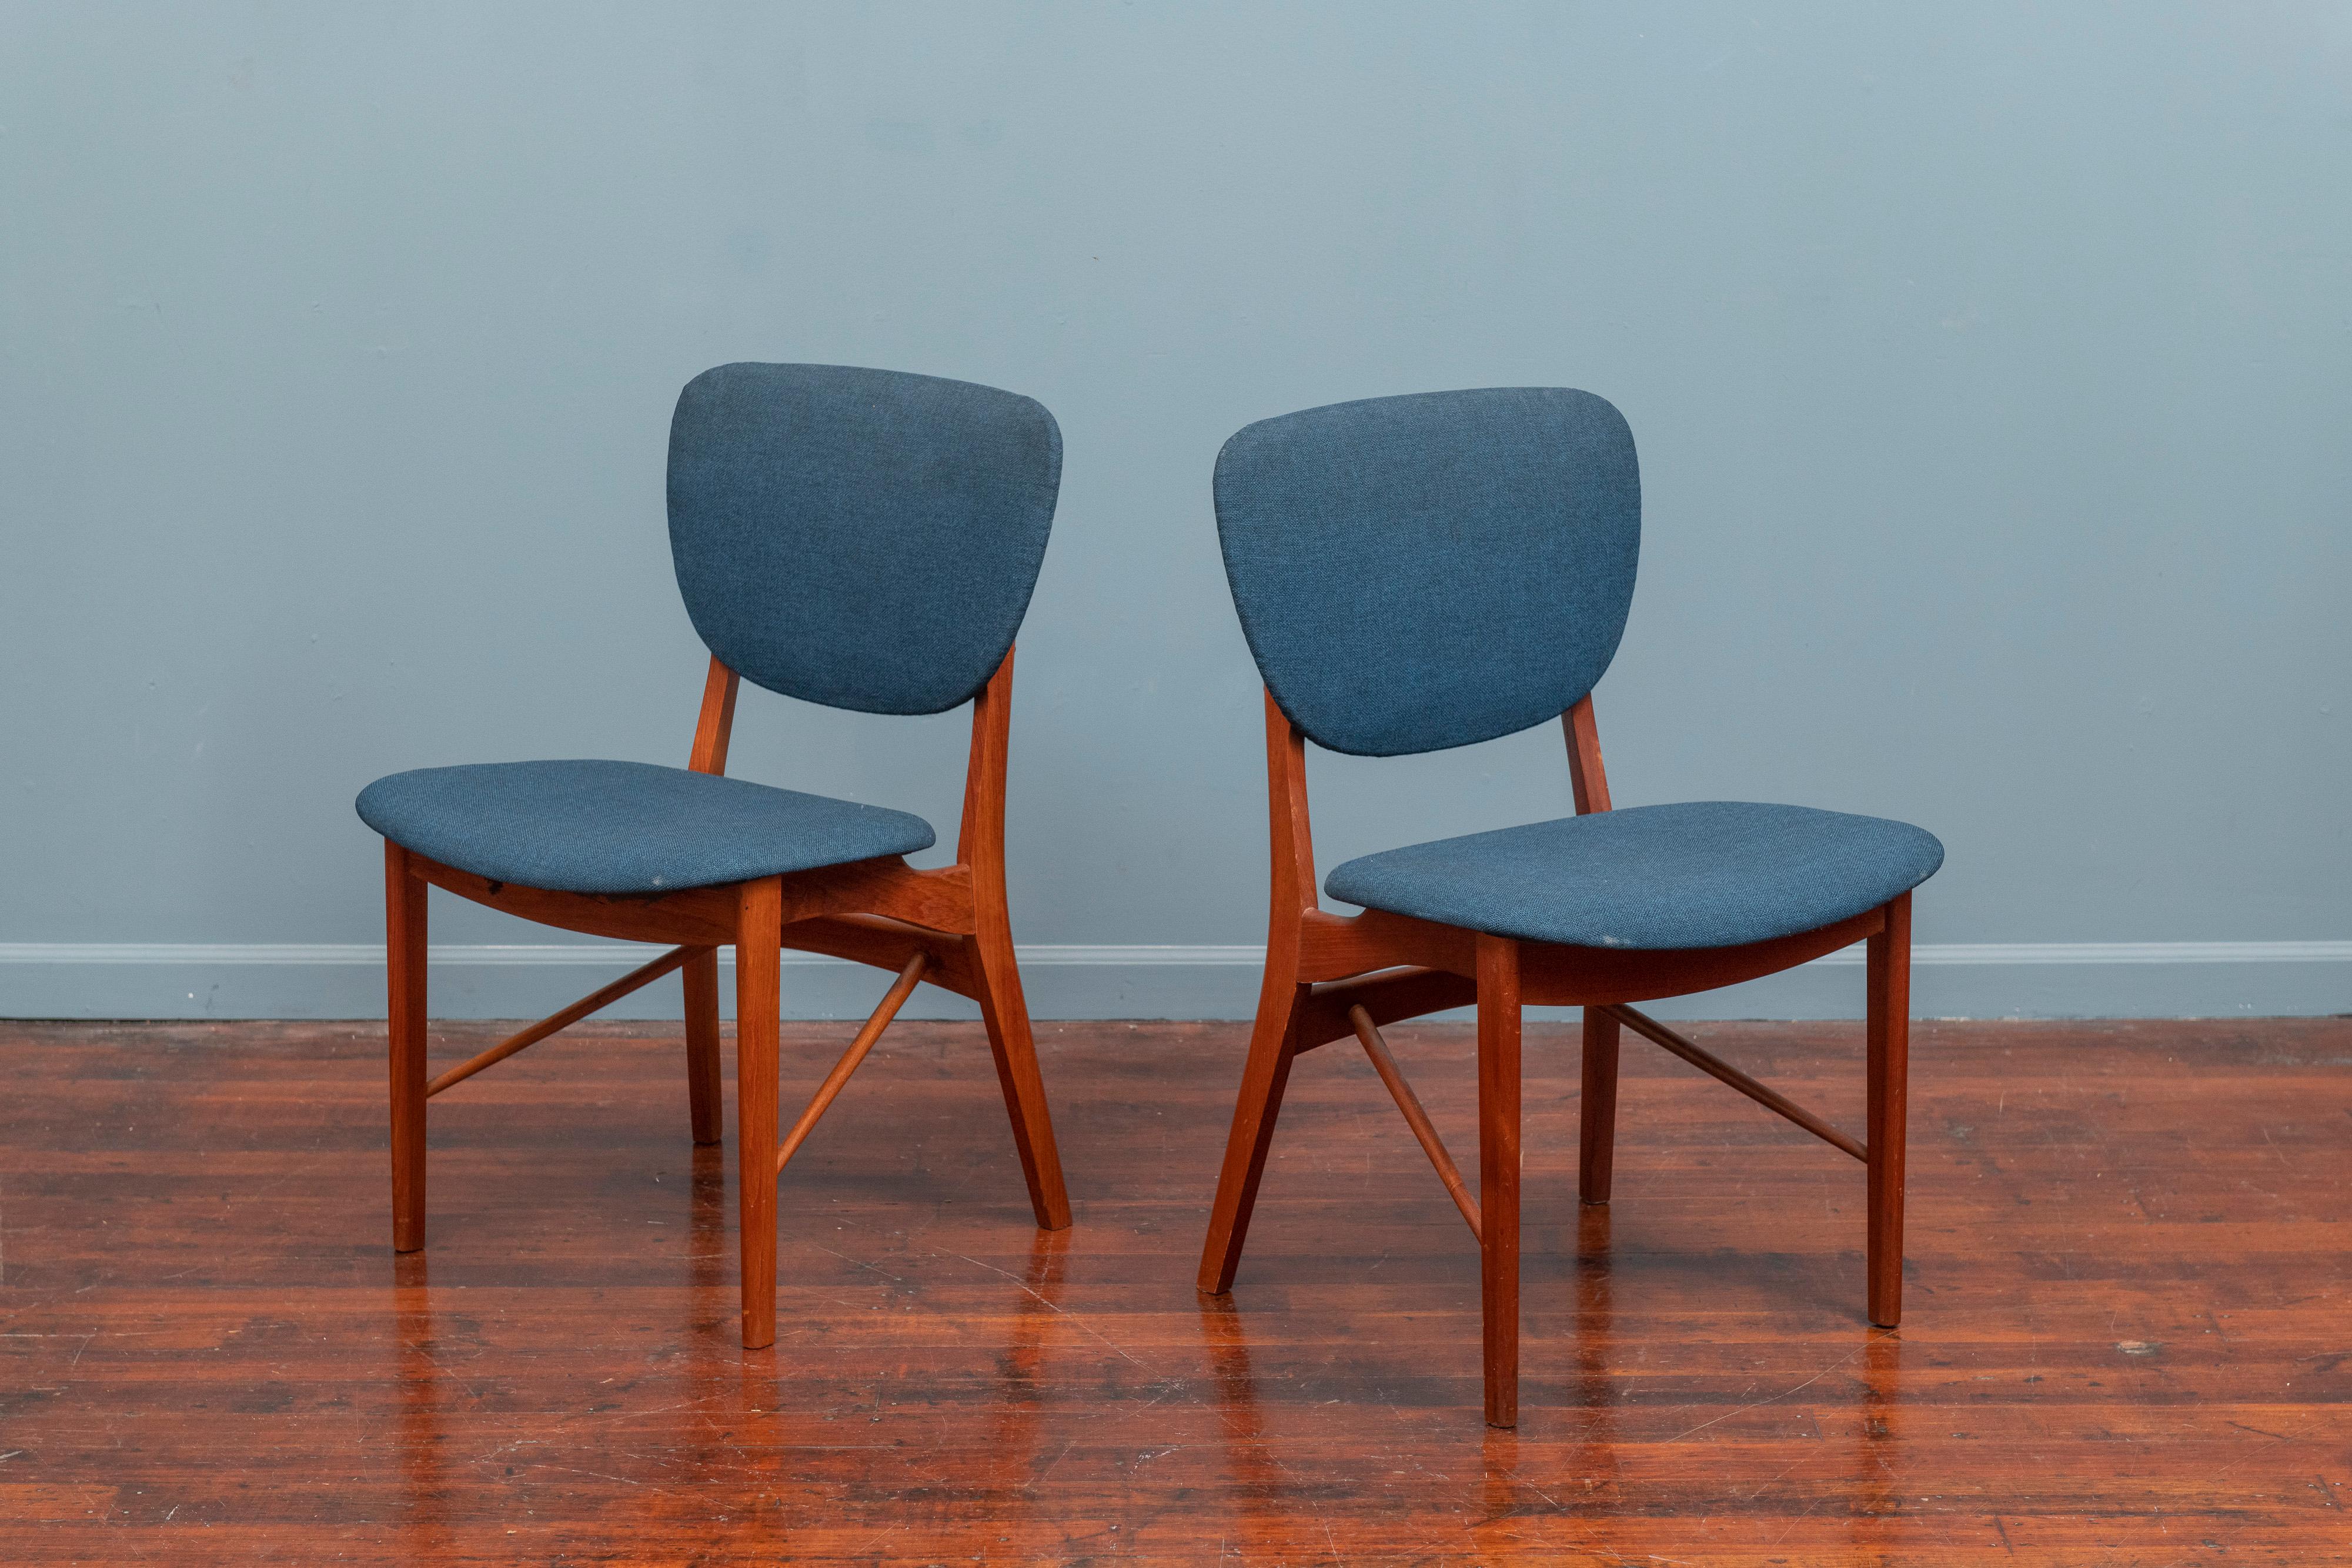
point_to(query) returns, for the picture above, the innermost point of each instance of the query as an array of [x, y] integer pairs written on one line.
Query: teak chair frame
[[948, 927], [1329, 977]]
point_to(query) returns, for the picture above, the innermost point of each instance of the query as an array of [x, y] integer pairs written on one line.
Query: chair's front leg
[[759, 1003], [405, 958], [1498, 1173], [1888, 1072]]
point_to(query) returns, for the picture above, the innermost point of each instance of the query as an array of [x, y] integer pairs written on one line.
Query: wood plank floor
[[2128, 1338]]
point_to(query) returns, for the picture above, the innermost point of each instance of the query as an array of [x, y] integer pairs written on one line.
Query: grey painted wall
[[1991, 367]]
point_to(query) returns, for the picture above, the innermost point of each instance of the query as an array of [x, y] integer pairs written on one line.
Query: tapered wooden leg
[[759, 933], [1498, 1173], [405, 952], [702, 1088], [1006, 1013], [1889, 1086], [1596, 1154], [1255, 1111]]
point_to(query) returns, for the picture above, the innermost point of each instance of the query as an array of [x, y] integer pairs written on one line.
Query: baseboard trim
[[1926, 955], [344, 979], [596, 954]]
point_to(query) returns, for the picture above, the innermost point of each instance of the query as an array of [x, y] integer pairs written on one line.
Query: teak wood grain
[[949, 925], [2126, 1341], [1329, 975]]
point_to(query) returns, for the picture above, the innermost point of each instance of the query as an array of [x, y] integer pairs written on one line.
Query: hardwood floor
[[2128, 1338]]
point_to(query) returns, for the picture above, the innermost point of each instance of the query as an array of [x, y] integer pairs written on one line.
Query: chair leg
[[1888, 1077], [1255, 1111], [404, 955], [1498, 1173], [1596, 1154], [702, 1088], [1006, 1014], [759, 941]]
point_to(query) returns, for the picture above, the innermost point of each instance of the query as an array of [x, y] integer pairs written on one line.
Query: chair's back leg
[[713, 729], [1255, 1109], [405, 958], [1498, 1173], [980, 844], [702, 1086], [759, 1002], [1596, 1153], [1888, 1074], [1006, 1013]]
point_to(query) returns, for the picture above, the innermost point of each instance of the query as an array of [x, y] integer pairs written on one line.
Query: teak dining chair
[[1415, 573], [860, 538]]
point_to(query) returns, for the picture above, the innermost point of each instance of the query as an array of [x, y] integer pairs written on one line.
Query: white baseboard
[[331, 980], [599, 954]]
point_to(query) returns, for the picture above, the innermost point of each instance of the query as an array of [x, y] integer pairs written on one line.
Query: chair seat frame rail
[[1331, 976], [949, 927]]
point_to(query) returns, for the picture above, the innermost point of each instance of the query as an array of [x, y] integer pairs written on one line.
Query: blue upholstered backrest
[[1419, 573], [861, 539]]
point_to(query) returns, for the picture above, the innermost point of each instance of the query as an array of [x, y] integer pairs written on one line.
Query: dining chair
[[1416, 574], [860, 538]]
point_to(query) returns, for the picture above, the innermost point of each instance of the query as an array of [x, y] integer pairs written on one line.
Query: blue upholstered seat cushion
[[1705, 873], [624, 827]]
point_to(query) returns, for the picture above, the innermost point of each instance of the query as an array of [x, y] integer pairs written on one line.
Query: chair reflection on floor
[[1878, 1428], [1024, 1389], [1594, 1350], [1259, 1481], [422, 1390]]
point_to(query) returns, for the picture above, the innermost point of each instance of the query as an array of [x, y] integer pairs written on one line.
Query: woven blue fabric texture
[[1420, 572], [624, 827], [862, 538], [1705, 873]]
